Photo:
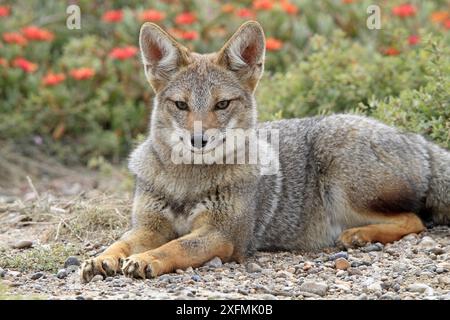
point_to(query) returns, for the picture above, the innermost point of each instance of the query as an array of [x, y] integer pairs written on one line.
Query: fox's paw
[[355, 237], [142, 266], [107, 265]]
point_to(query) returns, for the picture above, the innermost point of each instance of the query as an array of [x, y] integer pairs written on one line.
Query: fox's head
[[202, 94]]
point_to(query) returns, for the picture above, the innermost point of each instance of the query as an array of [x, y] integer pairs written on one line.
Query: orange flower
[[82, 73], [262, 4], [52, 79], [185, 18], [3, 62], [439, 16], [37, 34], [413, 39], [4, 11], [447, 24], [189, 35], [25, 65], [245, 13], [113, 16], [273, 44], [289, 8], [391, 51], [14, 37], [123, 53], [152, 15], [404, 10], [227, 8]]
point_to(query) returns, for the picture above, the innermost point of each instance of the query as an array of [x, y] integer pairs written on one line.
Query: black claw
[[148, 272]]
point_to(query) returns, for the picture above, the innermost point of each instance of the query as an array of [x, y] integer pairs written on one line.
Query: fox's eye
[[223, 104], [181, 105]]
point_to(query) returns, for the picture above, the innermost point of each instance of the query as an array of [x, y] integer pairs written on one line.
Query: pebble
[[427, 243], [319, 288], [196, 277], [373, 247], [62, 274], [342, 264], [97, 277], [72, 261], [421, 288], [338, 255], [23, 244], [214, 263], [253, 267], [2, 273], [375, 287], [36, 275]]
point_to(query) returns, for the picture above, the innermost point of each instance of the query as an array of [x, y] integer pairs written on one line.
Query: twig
[[57, 230], [33, 188]]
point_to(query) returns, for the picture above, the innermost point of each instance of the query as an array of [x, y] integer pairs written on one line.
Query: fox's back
[[324, 162]]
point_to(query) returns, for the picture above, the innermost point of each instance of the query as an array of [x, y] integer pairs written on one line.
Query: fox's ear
[[244, 53], [161, 54]]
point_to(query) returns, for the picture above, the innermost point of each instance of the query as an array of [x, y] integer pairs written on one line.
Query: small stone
[[23, 244], [373, 247], [196, 277], [338, 255], [62, 273], [189, 270], [80, 298], [72, 261], [319, 288], [253, 267], [96, 278], [179, 271], [444, 280], [421, 288], [342, 264], [109, 279], [2, 273], [427, 243], [375, 287], [437, 251], [214, 263], [36, 275], [14, 274]]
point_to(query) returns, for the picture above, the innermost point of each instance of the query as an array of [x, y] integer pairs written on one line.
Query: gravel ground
[[416, 267]]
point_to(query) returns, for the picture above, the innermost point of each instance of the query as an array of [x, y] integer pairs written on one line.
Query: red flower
[[152, 15], [273, 44], [38, 34], [189, 35], [404, 10], [123, 53], [185, 18], [14, 37], [52, 79], [3, 62], [4, 11], [25, 65], [113, 16], [391, 51], [447, 24], [289, 8], [348, 1], [82, 73], [245, 13], [413, 39], [262, 4]]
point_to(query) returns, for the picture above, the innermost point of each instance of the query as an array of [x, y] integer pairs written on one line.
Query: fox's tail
[[438, 198]]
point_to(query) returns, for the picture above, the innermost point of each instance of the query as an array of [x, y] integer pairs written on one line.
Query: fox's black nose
[[199, 141]]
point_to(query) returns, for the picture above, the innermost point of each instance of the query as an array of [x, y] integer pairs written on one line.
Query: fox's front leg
[[191, 250], [151, 230], [110, 261]]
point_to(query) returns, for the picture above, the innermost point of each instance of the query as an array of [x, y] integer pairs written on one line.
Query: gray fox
[[340, 179]]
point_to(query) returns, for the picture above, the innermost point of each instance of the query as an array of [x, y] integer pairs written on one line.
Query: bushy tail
[[438, 199]]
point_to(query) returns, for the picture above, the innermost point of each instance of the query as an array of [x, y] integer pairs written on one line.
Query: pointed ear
[[161, 54], [244, 53]]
